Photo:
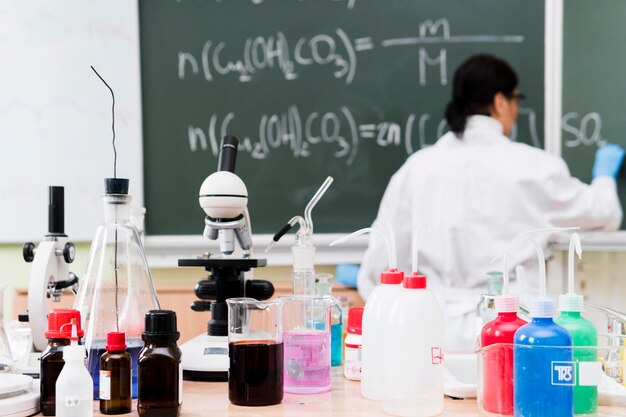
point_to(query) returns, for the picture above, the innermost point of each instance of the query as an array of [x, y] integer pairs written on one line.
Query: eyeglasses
[[516, 96]]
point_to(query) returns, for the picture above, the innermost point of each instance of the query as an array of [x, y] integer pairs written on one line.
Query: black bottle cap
[[116, 186], [160, 326]]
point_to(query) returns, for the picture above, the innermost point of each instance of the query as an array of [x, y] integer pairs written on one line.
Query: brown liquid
[[119, 365], [256, 372], [51, 365], [158, 379]]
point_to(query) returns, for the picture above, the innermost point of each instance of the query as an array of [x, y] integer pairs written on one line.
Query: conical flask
[[117, 289]]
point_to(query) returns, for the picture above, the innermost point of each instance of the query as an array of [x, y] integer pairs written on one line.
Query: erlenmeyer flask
[[117, 288], [6, 359]]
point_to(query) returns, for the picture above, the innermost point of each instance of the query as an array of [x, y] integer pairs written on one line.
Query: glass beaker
[[306, 336], [6, 359], [117, 289], [255, 349]]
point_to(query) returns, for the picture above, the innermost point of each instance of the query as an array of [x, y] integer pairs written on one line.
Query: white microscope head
[[223, 195]]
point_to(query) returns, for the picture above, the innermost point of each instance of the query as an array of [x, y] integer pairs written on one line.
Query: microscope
[[223, 197], [50, 275]]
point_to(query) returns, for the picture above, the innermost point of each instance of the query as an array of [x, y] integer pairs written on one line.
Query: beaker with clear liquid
[[306, 337], [117, 289], [255, 349]]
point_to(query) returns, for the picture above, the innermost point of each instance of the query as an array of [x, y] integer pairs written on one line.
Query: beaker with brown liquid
[[255, 350]]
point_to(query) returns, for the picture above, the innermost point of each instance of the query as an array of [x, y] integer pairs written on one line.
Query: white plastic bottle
[[74, 386], [375, 318], [413, 352]]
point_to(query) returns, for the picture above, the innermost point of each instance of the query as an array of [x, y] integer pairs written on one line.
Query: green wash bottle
[[584, 336]]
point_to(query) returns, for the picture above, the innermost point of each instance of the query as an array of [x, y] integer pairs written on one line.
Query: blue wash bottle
[[543, 368]]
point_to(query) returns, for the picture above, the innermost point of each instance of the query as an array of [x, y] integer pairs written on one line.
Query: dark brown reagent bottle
[[159, 370], [51, 361], [115, 368], [256, 372]]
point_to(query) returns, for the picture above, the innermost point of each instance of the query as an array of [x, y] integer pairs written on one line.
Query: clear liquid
[[307, 362], [134, 347]]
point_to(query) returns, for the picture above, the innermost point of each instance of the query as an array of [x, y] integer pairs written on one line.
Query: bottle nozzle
[[414, 249], [506, 302], [74, 335], [390, 242], [316, 197], [572, 301], [574, 245], [306, 222]]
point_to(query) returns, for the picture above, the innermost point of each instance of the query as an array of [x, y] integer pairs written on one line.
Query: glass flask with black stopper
[[117, 289]]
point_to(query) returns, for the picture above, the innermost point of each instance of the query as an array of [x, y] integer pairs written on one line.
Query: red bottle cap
[[355, 320], [116, 341], [415, 281], [392, 276], [57, 321]]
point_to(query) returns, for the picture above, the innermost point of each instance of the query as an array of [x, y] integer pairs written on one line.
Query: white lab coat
[[468, 198]]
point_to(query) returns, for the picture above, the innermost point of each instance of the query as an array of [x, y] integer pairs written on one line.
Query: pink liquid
[[307, 362]]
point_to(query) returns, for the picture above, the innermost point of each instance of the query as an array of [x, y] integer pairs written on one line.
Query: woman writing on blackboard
[[474, 190]]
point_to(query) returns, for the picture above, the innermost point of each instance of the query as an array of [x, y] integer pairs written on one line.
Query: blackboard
[[312, 88], [594, 83]]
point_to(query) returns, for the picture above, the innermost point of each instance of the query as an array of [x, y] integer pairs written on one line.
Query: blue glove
[[608, 161]]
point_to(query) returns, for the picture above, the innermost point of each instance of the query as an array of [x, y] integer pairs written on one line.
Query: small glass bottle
[[354, 341], [115, 381], [51, 361], [323, 287], [485, 310], [160, 376]]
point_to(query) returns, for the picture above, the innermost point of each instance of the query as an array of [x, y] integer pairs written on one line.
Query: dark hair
[[476, 82]]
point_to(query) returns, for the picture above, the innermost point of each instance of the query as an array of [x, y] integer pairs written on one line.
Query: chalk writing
[[584, 131], [301, 133], [336, 50]]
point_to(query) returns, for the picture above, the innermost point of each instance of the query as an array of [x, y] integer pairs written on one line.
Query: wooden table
[[201, 399]]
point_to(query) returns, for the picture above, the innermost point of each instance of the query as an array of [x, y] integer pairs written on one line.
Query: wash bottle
[[74, 386], [375, 317], [497, 393], [413, 350], [583, 333], [543, 373], [496, 339]]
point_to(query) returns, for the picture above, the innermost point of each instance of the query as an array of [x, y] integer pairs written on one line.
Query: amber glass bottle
[[51, 361], [159, 369], [115, 368]]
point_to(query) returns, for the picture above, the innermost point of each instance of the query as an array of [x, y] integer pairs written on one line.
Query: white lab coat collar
[[479, 122]]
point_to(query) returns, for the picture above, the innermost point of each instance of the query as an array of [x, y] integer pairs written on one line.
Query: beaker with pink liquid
[[306, 339]]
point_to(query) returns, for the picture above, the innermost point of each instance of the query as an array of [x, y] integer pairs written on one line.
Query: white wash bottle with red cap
[[375, 318], [413, 350]]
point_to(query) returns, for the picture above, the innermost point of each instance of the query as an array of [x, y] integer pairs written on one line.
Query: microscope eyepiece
[[56, 210], [228, 154]]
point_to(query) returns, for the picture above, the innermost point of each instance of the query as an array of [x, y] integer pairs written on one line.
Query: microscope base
[[205, 358]]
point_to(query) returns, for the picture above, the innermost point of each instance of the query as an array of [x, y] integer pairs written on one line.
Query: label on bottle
[[352, 365], [72, 401], [105, 385], [180, 383], [436, 354]]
